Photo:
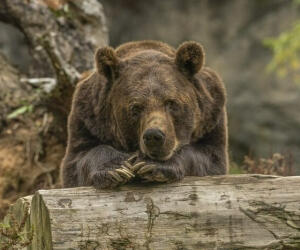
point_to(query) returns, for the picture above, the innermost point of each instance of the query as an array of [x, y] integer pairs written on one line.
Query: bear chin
[[159, 156]]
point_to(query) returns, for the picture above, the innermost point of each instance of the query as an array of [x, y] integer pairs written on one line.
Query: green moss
[[236, 169], [15, 232]]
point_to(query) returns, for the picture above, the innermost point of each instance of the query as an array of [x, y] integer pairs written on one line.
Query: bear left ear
[[107, 62], [190, 58]]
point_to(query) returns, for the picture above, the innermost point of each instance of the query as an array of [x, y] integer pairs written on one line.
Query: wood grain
[[224, 212]]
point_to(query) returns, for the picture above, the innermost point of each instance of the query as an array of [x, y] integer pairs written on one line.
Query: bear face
[[153, 105], [153, 99]]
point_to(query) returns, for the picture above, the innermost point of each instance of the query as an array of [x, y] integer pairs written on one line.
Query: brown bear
[[148, 112]]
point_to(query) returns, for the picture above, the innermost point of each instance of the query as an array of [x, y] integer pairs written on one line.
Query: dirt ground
[[30, 156]]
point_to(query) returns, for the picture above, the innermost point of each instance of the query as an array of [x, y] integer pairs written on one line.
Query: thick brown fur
[[135, 88]]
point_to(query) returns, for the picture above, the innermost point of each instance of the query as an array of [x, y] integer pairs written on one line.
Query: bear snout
[[154, 138], [157, 138]]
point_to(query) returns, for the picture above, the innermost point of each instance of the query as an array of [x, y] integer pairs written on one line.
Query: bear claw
[[115, 175], [127, 164], [137, 166], [125, 173], [133, 157], [145, 169]]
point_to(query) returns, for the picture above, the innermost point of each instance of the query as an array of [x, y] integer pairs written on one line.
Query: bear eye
[[172, 105], [136, 109]]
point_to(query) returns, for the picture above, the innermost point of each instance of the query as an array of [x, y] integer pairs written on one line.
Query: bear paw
[[126, 172], [159, 173]]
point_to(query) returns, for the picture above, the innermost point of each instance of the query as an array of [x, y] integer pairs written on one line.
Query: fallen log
[[222, 212]]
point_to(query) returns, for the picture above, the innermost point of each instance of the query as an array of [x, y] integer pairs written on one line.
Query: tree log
[[222, 212]]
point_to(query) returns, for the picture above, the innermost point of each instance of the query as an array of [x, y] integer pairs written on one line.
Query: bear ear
[[190, 58], [107, 62]]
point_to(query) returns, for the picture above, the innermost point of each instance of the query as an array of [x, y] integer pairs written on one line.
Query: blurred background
[[46, 46]]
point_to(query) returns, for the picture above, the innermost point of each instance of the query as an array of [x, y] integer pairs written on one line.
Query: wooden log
[[221, 212]]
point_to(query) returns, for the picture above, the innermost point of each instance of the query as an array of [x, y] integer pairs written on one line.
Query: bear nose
[[153, 137]]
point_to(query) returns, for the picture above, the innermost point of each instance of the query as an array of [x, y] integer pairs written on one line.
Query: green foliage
[[236, 169], [19, 111], [13, 234], [286, 53]]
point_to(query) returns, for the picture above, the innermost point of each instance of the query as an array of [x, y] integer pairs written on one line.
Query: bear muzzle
[[157, 139], [154, 138], [154, 143]]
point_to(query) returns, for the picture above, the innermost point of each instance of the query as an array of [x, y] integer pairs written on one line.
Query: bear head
[[157, 102]]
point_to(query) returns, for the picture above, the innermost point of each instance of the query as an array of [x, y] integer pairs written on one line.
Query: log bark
[[223, 212]]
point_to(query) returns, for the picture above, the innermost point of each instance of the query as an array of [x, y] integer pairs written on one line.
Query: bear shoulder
[[85, 99], [87, 88]]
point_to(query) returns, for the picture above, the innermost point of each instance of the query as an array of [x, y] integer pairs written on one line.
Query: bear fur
[[148, 112]]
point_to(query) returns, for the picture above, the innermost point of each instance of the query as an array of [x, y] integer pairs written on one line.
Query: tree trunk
[[62, 36], [223, 212]]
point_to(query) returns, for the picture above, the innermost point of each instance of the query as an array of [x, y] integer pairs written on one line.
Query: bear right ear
[[107, 62], [190, 58]]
